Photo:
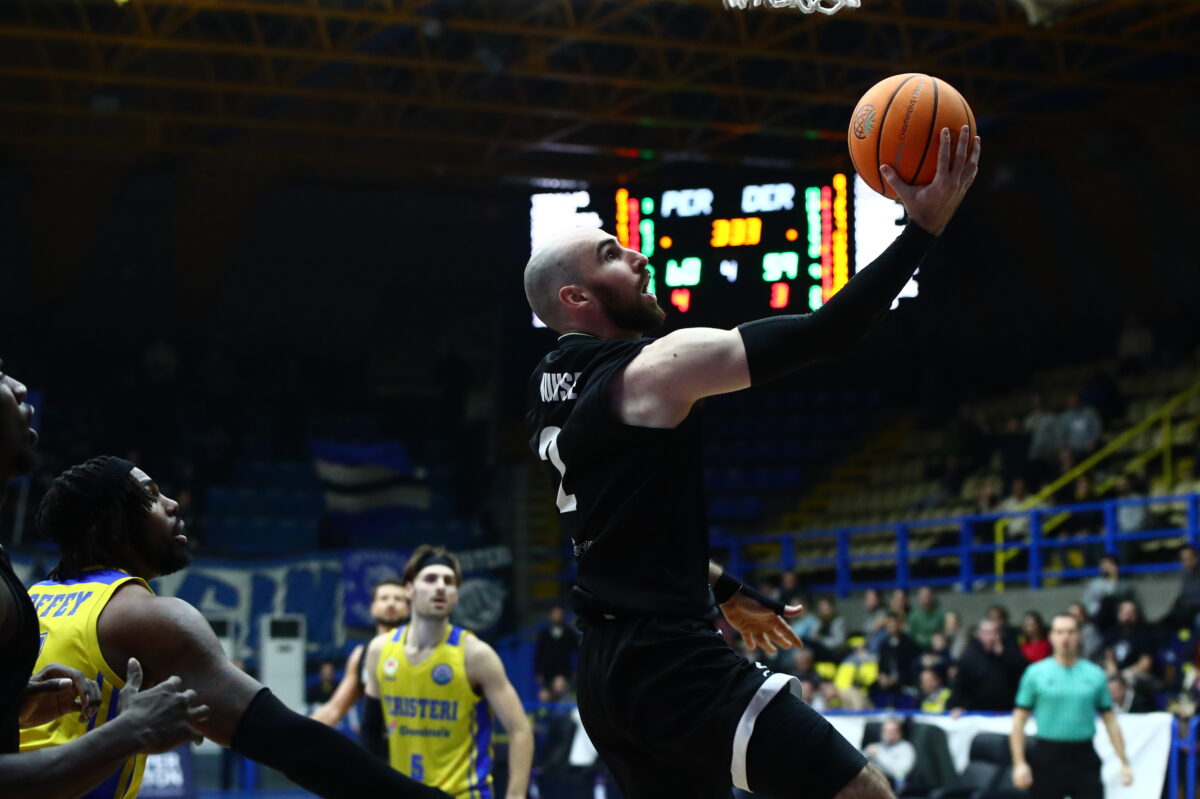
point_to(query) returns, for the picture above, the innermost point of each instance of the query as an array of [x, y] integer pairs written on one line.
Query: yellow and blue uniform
[[439, 730], [67, 613]]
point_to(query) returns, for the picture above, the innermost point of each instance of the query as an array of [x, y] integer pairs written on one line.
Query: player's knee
[[869, 784]]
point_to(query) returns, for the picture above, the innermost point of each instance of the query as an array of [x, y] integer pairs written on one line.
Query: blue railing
[[971, 533]]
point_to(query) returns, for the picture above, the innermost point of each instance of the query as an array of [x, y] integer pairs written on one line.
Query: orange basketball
[[898, 121]]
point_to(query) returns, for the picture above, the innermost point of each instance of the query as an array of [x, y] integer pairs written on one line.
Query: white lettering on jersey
[[558, 386]]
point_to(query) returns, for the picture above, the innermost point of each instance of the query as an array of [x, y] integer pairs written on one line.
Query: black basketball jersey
[[19, 645], [630, 498]]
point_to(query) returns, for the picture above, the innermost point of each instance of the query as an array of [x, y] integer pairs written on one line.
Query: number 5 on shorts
[[548, 451], [417, 769]]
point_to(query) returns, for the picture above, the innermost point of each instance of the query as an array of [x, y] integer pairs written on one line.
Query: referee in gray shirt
[[1064, 693]]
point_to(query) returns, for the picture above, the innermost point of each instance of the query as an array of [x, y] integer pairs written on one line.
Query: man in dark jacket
[[988, 672], [556, 649]]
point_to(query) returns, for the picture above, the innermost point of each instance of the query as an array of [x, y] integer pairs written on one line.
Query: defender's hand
[[932, 206], [160, 717], [56, 691], [1022, 776], [761, 626], [1126, 776]]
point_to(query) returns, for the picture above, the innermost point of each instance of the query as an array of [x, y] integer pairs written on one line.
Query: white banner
[[1147, 744]]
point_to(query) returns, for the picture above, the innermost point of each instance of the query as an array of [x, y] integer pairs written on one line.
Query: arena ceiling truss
[[571, 89]]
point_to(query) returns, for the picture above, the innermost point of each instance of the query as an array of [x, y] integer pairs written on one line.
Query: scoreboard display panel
[[721, 255]]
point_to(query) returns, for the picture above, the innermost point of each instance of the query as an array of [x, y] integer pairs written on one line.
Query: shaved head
[[606, 286], [558, 263]]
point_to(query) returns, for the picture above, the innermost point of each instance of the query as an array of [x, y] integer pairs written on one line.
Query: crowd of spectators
[[920, 655]]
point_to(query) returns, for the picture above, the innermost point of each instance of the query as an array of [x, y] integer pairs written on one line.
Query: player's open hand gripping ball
[[933, 205]]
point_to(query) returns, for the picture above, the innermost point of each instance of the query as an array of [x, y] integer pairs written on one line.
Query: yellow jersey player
[[116, 531], [436, 686]]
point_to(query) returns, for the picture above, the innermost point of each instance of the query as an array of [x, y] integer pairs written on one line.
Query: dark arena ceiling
[[489, 91]]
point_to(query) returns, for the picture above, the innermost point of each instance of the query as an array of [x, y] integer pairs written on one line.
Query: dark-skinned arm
[[150, 721], [174, 638]]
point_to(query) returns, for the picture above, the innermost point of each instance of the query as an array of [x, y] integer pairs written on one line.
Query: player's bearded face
[[389, 607], [627, 307], [159, 539]]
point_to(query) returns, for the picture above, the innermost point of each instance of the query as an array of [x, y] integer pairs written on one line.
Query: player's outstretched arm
[[486, 671], [661, 384], [347, 693], [175, 638], [150, 721]]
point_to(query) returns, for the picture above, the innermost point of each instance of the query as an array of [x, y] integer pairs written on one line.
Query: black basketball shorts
[[672, 709]]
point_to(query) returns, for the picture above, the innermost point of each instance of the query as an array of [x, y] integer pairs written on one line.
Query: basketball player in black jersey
[[671, 708], [389, 609], [150, 721]]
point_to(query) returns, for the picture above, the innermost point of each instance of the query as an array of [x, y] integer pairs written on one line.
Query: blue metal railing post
[[1193, 519], [965, 561], [1193, 745], [1173, 761], [1110, 528], [843, 563], [787, 552], [1035, 549], [902, 556], [735, 562]]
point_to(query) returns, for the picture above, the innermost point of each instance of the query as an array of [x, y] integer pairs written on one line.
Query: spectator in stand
[[1014, 452], [893, 755], [323, 687], [1018, 526], [875, 620], [1135, 346], [831, 630], [805, 625], [988, 672], [1042, 428], [898, 602], [1185, 612], [789, 584], [898, 657], [1129, 647], [1080, 427], [1091, 641], [1102, 593], [1128, 699], [999, 614], [937, 656], [926, 618], [1082, 522], [956, 635], [934, 693], [1133, 517], [557, 646], [1035, 645], [803, 667]]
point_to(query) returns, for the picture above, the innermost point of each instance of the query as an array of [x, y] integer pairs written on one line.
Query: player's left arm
[[1118, 743], [485, 672], [760, 620]]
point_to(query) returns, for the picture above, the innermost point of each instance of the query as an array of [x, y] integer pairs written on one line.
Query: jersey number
[[417, 770], [548, 450]]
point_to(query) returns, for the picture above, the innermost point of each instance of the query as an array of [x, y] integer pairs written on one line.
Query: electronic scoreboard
[[724, 255]]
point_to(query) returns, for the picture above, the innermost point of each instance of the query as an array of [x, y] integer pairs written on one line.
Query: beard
[[163, 555], [629, 313], [390, 621]]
